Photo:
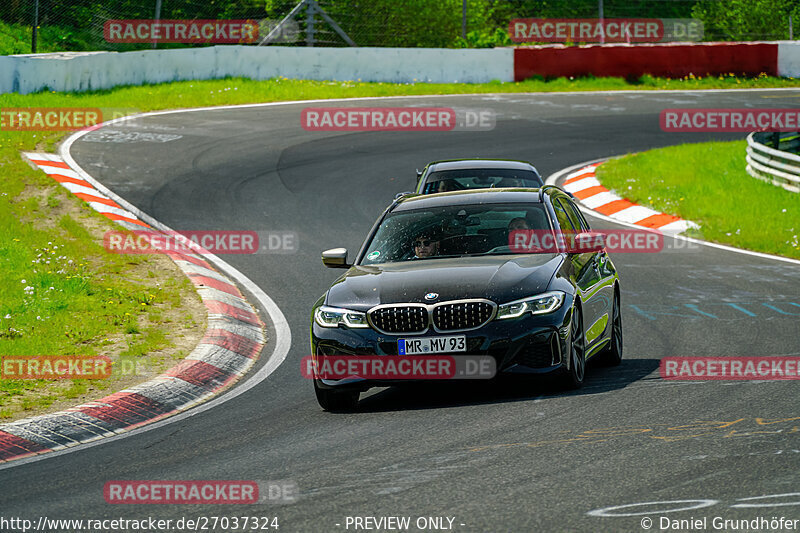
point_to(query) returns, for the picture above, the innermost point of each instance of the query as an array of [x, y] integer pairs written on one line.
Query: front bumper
[[530, 344]]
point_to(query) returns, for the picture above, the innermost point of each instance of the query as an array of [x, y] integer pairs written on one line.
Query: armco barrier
[[779, 165], [789, 59], [670, 60], [82, 71], [103, 70]]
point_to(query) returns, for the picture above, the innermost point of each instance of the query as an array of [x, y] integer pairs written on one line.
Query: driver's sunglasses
[[422, 242]]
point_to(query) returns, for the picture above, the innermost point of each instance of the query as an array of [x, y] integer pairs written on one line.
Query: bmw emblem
[[431, 295]]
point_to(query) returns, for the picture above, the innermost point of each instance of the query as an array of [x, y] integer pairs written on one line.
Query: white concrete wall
[[102, 70], [789, 59]]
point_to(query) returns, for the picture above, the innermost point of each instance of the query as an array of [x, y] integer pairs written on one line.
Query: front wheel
[[577, 351], [336, 401]]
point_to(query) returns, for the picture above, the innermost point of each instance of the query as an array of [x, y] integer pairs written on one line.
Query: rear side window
[[578, 222], [465, 179]]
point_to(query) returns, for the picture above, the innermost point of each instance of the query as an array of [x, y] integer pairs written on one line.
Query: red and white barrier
[[668, 60]]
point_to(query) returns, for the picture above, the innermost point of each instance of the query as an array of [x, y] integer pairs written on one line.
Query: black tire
[[336, 401], [576, 372], [612, 355]]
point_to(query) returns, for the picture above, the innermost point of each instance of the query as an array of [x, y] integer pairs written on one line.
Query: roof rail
[[546, 186], [556, 187], [399, 197]]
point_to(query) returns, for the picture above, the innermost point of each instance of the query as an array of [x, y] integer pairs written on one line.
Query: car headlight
[[332, 317], [536, 305]]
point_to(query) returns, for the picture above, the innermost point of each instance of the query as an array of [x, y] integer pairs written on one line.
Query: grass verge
[[707, 183], [231, 91], [86, 301], [61, 293]]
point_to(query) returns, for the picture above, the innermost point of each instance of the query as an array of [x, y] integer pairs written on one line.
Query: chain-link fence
[[78, 25]]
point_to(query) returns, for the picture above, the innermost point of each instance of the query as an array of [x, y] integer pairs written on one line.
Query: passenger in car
[[446, 186], [509, 182], [518, 223]]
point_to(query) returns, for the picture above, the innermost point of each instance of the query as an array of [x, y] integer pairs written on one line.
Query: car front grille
[[457, 315], [461, 315], [400, 319]]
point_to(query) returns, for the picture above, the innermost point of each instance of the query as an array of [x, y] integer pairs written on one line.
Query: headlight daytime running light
[[333, 317], [536, 305]]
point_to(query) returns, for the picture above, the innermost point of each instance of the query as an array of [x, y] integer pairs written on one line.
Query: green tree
[[746, 20]]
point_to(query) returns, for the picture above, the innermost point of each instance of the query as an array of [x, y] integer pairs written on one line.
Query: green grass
[[242, 91], [61, 293], [707, 183]]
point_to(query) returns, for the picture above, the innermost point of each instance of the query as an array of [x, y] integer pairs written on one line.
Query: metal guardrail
[[775, 158]]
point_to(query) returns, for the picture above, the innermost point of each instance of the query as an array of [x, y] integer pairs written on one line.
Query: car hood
[[498, 278]]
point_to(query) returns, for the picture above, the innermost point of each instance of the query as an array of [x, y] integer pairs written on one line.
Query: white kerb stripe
[[61, 171], [634, 214], [103, 208], [580, 185], [74, 188], [584, 170], [43, 156], [600, 199], [679, 226]]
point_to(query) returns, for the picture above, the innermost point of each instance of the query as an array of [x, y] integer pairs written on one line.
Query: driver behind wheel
[[426, 245]]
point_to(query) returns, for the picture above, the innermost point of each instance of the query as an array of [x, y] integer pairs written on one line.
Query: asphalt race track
[[522, 457]]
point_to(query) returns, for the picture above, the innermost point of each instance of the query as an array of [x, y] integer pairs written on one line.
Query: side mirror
[[335, 258], [401, 194], [419, 174], [588, 241]]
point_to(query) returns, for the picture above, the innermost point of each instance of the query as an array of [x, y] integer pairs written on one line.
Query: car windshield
[[483, 178], [452, 231]]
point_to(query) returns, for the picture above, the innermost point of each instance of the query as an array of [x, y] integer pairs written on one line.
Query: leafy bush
[[747, 20]]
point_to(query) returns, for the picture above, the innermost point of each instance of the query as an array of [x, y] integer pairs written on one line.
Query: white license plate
[[432, 345]]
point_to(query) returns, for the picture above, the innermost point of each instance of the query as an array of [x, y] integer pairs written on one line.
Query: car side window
[[574, 215], [583, 220], [562, 217]]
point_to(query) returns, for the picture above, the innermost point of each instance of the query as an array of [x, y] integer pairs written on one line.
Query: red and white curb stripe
[[56, 168], [584, 186], [232, 343]]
